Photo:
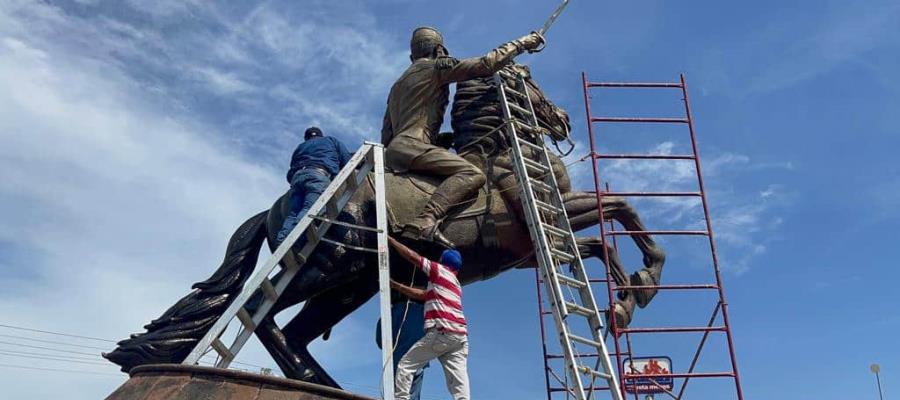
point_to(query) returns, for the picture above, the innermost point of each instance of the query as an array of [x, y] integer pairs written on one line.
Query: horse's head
[[552, 118]]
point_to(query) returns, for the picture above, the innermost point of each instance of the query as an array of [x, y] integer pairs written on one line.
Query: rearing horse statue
[[489, 231]]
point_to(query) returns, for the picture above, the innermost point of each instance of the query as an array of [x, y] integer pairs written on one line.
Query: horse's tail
[[171, 337]]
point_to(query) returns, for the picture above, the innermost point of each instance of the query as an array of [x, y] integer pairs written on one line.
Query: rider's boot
[[426, 226]]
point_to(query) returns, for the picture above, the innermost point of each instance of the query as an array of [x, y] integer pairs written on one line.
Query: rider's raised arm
[[450, 69], [409, 255]]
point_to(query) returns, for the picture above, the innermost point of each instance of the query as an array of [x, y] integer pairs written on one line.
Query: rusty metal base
[[185, 382]]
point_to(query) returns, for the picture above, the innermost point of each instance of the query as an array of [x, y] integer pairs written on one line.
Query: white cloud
[[222, 83], [109, 206], [842, 36], [118, 189]]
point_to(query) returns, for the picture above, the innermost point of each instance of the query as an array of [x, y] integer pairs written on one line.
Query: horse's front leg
[[625, 302], [582, 210]]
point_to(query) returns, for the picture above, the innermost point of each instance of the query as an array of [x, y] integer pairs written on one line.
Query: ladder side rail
[[290, 272], [563, 222], [585, 292], [539, 239], [712, 242], [262, 273], [384, 275], [527, 194], [540, 302], [719, 287]]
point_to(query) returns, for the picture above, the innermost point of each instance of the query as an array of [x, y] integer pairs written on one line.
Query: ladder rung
[[572, 282], [594, 388], [525, 128], [269, 290], [588, 371], [562, 256], [220, 348], [357, 248], [652, 194], [551, 356], [349, 225], [541, 186], [589, 342], [531, 145], [580, 310], [676, 329], [688, 233], [520, 110], [555, 231], [635, 84], [548, 207], [643, 156], [515, 93], [635, 119], [246, 319], [541, 168]]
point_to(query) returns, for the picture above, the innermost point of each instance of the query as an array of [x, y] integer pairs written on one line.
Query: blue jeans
[[306, 186], [413, 329]]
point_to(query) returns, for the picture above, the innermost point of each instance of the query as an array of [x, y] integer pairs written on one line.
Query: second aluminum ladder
[[555, 248]]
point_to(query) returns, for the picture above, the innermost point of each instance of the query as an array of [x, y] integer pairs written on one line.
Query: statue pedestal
[[185, 382]]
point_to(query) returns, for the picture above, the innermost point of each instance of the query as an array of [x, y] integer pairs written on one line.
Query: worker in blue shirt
[[314, 163]]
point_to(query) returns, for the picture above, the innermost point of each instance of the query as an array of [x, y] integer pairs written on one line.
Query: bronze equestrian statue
[[415, 112], [337, 280]]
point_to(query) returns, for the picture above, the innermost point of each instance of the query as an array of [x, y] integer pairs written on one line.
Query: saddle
[[408, 192]]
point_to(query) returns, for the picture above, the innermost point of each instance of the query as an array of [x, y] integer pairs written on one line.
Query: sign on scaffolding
[[647, 375]]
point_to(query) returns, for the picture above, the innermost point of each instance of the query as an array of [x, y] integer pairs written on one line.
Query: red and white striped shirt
[[443, 298]]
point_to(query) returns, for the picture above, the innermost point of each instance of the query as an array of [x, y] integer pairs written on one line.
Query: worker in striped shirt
[[445, 326]]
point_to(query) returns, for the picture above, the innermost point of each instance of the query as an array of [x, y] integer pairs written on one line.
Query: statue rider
[[415, 112]]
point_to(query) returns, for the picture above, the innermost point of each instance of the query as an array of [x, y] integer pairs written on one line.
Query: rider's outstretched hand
[[530, 41]]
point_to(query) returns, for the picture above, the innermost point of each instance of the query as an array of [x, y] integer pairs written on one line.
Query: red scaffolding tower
[[623, 351]]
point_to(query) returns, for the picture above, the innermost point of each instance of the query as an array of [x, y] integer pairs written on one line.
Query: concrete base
[[184, 382]]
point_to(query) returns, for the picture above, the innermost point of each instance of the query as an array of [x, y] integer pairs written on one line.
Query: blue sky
[[135, 136]]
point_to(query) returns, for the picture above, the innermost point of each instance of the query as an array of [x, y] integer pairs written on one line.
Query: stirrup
[[431, 234]]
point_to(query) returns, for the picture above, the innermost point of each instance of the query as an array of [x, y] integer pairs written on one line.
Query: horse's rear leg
[[304, 286], [582, 211], [289, 346]]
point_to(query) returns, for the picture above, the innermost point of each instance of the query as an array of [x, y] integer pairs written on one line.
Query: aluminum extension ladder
[[554, 244], [314, 225]]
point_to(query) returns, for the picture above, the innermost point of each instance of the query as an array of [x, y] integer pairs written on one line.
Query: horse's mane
[[476, 110]]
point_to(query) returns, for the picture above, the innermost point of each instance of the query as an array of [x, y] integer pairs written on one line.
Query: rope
[[57, 370], [56, 333], [399, 330]]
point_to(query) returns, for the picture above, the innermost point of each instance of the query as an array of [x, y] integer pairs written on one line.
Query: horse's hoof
[[622, 315], [643, 296]]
